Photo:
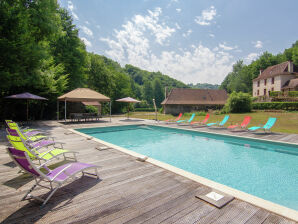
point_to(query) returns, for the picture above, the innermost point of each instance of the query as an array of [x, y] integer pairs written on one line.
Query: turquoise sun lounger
[[187, 121], [271, 121], [226, 118]]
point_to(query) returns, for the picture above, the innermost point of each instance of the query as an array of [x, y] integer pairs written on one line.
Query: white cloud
[[86, 42], [211, 35], [249, 58], [206, 17], [225, 47], [97, 26], [188, 32], [71, 8], [87, 31], [87, 22], [177, 26], [178, 10], [258, 44]]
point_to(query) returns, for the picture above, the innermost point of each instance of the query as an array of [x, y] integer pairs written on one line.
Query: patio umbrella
[[27, 96], [128, 100]]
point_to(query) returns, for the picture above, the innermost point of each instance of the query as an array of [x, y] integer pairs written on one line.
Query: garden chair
[[267, 127], [186, 122], [221, 124], [171, 121], [243, 125], [200, 123]]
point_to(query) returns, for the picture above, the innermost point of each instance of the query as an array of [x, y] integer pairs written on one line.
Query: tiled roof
[[293, 83], [196, 97], [280, 69]]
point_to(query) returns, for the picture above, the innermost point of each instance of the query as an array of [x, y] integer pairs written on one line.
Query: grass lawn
[[287, 122]]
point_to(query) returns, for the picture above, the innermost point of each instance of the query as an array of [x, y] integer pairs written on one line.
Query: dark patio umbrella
[[128, 100], [27, 96]]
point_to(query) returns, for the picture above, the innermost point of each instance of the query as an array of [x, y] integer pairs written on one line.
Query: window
[[258, 84], [264, 92], [265, 82], [272, 80], [272, 89], [258, 92]]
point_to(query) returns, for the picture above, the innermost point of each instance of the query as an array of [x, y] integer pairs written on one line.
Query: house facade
[[187, 100], [274, 78]]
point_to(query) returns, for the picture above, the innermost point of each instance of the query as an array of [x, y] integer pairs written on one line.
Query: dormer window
[[272, 80], [265, 82]]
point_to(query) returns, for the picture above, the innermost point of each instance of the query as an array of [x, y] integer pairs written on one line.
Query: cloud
[[249, 58], [178, 10], [211, 35], [87, 31], [177, 26], [87, 22], [188, 32], [206, 17], [258, 44], [227, 48], [86, 42], [71, 8]]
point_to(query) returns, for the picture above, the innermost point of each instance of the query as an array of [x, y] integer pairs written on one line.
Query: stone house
[[187, 100], [275, 78]]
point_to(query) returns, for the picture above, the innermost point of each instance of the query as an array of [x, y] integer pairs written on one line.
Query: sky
[[194, 41]]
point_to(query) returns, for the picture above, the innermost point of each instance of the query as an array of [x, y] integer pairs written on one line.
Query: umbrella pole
[[65, 110], [27, 109], [110, 111]]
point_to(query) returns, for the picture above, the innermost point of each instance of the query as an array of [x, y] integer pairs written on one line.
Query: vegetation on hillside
[[42, 53], [204, 86], [240, 79]]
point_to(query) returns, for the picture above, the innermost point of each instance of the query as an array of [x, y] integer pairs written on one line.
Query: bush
[[275, 106], [274, 93], [145, 109], [238, 103], [91, 109], [293, 93]]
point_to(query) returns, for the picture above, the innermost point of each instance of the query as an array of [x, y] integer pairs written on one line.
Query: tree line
[[42, 53]]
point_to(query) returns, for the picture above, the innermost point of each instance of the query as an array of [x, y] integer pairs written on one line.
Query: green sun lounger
[[226, 118]]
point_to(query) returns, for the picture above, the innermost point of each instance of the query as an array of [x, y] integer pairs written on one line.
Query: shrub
[[145, 109], [275, 106], [238, 103], [293, 93], [91, 109], [274, 93]]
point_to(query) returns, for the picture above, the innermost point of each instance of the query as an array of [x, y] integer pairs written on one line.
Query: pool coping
[[262, 203]]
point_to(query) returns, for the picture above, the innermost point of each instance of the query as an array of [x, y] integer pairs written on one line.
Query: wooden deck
[[128, 192]]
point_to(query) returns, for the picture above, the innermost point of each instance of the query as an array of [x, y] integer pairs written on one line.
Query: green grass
[[287, 122]]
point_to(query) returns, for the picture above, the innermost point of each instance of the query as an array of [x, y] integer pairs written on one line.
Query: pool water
[[264, 169]]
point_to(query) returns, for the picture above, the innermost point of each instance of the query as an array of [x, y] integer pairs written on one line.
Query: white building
[[274, 78]]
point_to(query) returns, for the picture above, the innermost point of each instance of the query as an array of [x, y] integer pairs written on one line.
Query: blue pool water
[[266, 170]]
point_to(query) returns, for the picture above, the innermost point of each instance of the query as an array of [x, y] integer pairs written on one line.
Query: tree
[[238, 103], [148, 94], [158, 92]]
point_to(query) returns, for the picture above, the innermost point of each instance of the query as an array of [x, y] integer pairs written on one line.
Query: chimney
[[290, 66], [261, 71], [166, 92]]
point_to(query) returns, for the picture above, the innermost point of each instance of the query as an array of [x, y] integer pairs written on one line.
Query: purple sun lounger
[[57, 176]]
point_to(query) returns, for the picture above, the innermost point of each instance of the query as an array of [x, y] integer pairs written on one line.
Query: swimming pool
[[264, 169]]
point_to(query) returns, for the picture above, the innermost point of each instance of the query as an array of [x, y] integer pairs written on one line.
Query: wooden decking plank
[[275, 219], [259, 217]]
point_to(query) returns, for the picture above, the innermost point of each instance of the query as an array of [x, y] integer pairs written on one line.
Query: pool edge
[[259, 202]]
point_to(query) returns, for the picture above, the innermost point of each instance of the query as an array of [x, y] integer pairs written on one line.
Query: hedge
[[275, 106], [293, 93], [145, 109]]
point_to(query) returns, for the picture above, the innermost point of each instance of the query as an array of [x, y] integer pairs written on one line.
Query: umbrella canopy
[[27, 96], [128, 100]]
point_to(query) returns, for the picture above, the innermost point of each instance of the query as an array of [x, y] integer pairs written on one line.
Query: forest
[[41, 53]]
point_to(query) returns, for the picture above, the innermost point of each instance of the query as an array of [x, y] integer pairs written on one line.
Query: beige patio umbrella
[[128, 100]]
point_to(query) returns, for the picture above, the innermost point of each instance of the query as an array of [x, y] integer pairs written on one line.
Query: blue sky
[[190, 40]]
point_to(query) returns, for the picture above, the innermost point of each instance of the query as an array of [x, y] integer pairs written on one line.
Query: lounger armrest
[[49, 152], [62, 171]]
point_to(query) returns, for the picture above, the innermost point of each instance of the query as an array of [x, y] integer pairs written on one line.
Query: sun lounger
[[186, 122], [172, 121], [243, 125], [27, 130], [221, 124], [25, 137], [200, 123], [271, 121], [40, 152], [57, 176]]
